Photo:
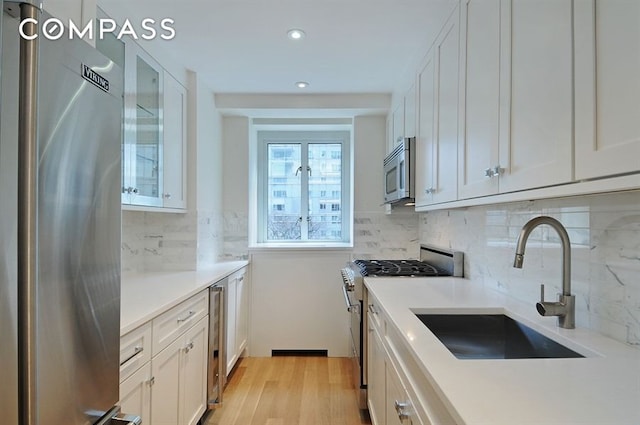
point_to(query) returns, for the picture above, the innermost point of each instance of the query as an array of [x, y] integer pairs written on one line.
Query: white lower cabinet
[[135, 393], [237, 308], [398, 393], [376, 376], [171, 387], [400, 408], [165, 397], [179, 379], [193, 373]]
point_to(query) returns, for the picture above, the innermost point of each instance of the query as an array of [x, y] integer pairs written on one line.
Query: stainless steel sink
[[492, 336]]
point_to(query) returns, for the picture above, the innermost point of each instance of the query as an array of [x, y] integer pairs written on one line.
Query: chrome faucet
[[565, 307]]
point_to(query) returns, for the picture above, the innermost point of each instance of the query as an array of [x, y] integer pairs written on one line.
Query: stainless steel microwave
[[399, 172]]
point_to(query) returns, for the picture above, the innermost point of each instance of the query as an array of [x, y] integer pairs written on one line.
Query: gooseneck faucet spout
[[565, 307]]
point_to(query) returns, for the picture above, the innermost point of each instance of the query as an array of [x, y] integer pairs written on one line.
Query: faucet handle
[[542, 293]]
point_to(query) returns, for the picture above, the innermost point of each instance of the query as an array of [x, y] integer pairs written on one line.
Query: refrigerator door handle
[[27, 216]]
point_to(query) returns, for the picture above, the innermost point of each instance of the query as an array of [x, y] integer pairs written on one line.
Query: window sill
[[300, 246]]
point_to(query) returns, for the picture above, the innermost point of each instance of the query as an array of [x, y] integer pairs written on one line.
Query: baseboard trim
[[300, 353]]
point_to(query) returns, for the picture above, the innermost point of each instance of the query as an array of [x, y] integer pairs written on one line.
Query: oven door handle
[[350, 307]]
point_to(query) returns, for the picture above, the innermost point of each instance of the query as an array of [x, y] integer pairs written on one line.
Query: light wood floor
[[290, 391]]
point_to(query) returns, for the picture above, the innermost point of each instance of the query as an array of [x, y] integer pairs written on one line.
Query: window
[[295, 173]]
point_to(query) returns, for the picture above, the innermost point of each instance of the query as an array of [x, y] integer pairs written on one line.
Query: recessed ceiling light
[[302, 84], [295, 34]]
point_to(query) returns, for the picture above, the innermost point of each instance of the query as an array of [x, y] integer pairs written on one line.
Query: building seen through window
[[305, 188]]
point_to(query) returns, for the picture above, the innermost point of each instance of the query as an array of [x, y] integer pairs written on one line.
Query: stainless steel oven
[[434, 262], [358, 337]]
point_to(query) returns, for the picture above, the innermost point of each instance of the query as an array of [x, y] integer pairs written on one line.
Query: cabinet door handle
[[151, 381], [137, 350], [402, 409], [129, 190], [191, 313], [492, 172], [167, 196], [189, 347]]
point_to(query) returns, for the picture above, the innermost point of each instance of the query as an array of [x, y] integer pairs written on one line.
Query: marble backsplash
[[376, 235], [386, 236], [605, 244], [155, 241]]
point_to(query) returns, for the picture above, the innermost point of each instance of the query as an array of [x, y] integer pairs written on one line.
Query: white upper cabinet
[[154, 152], [445, 146], [425, 139], [402, 120], [410, 111], [478, 144], [437, 142], [142, 152], [607, 78], [536, 96], [398, 123], [174, 143]]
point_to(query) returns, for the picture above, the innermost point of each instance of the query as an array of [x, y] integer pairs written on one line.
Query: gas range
[[434, 262]]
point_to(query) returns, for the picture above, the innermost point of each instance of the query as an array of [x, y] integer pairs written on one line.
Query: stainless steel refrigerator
[[59, 231]]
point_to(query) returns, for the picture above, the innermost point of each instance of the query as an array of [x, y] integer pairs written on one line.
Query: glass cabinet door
[[142, 150]]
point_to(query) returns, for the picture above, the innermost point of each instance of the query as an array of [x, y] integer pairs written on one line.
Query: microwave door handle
[[401, 175]]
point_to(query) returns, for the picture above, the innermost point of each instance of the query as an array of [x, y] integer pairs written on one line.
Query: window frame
[[264, 137]]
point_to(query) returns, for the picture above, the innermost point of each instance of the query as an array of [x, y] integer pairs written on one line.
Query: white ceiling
[[241, 46]]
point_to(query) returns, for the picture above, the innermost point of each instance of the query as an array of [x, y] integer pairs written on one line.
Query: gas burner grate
[[398, 268]]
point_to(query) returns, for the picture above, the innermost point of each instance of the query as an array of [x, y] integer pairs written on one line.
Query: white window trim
[[298, 133]]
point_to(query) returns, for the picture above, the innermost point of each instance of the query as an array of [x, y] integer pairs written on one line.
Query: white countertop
[[146, 295], [601, 389]]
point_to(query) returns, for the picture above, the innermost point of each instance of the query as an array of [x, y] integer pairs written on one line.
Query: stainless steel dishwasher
[[217, 374]]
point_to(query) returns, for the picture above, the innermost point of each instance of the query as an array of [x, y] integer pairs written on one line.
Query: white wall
[[207, 177], [297, 302], [297, 299], [605, 238]]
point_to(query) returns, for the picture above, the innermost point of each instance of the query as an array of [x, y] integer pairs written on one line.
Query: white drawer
[[171, 324], [135, 350]]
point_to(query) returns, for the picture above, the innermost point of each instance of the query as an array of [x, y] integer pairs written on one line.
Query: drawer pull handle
[[191, 313], [137, 350]]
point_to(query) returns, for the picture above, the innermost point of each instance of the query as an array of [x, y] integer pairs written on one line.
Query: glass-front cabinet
[[142, 153], [154, 130]]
